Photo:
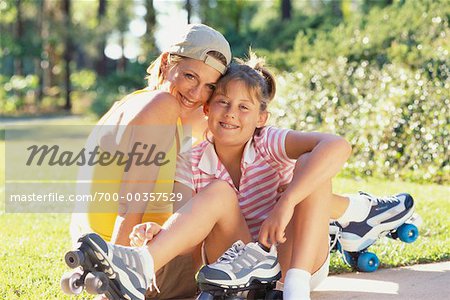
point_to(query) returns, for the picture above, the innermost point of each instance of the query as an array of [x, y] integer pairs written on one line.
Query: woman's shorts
[[176, 280]]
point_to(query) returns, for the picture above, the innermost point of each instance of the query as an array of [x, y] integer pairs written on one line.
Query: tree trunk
[[286, 10], [18, 60], [39, 61], [100, 64], [336, 8], [189, 10], [149, 43], [67, 53]]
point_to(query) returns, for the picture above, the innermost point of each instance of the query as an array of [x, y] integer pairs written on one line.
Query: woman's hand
[[143, 233], [273, 228]]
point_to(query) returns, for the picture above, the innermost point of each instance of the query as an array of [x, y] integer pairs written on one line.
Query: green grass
[[32, 246]]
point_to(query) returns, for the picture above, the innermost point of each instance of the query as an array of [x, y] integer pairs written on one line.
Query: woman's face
[[191, 81]]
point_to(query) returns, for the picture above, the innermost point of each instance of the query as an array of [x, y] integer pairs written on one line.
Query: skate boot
[[241, 268], [390, 216], [386, 214], [102, 268]]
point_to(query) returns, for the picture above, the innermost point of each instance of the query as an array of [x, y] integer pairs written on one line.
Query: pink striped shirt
[[264, 167]]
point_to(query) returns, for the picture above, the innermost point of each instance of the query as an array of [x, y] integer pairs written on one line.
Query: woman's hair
[[254, 75], [155, 76]]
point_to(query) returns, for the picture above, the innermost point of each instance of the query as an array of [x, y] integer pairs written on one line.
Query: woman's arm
[[154, 125]]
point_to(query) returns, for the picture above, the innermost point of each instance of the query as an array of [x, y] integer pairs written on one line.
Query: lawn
[[33, 245]]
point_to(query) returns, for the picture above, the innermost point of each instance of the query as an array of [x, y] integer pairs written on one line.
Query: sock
[[297, 285], [357, 211]]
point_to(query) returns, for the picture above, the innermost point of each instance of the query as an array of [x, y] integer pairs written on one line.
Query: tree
[[18, 60], [286, 9], [148, 43], [67, 52], [100, 64], [188, 10]]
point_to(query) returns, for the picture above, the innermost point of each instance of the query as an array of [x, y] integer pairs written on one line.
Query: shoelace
[[231, 254], [385, 199], [130, 260]]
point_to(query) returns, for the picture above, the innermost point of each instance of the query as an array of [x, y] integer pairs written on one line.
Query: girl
[[234, 179]]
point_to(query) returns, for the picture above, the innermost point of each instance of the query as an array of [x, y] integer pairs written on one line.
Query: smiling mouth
[[228, 126], [188, 103]]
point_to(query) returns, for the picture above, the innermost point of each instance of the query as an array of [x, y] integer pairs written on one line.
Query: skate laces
[[385, 199], [335, 231], [131, 259], [232, 253]]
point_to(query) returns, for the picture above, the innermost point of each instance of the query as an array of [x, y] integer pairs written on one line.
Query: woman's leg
[[213, 214]]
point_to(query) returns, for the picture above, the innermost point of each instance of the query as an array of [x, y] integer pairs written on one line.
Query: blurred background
[[374, 71]]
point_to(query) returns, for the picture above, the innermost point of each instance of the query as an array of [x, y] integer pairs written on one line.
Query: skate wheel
[[205, 296], [408, 233], [74, 258], [368, 262], [96, 283], [273, 295], [350, 258], [71, 283]]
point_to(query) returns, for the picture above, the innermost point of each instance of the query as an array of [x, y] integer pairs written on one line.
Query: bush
[[382, 80], [14, 90], [397, 119], [115, 86]]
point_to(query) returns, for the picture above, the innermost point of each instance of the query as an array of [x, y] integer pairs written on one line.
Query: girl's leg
[[307, 245], [306, 249], [213, 214]]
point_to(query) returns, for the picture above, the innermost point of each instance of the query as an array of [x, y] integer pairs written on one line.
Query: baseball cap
[[197, 41]]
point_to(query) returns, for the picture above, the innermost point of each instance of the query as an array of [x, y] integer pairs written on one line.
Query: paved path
[[429, 281]]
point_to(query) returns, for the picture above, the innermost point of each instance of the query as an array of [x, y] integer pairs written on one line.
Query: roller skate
[[389, 216], [242, 272], [104, 268]]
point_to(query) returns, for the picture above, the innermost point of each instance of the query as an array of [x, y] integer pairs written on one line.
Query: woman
[[180, 80]]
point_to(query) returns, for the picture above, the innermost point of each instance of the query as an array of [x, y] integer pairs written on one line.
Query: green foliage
[[84, 79], [397, 119], [115, 86], [381, 80], [13, 91]]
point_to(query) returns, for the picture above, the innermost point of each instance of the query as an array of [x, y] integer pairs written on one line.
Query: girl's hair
[[155, 77], [254, 75]]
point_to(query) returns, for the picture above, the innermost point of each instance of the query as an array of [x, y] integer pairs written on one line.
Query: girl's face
[[191, 81], [233, 118]]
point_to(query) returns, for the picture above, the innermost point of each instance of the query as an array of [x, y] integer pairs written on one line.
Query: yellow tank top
[[159, 212]]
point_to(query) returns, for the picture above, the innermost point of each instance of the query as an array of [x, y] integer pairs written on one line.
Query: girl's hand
[[143, 233], [273, 228]]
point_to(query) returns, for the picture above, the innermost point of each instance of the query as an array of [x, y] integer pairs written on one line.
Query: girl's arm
[[326, 155]]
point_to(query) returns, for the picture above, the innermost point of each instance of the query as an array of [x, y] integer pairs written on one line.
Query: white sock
[[297, 285], [358, 209]]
